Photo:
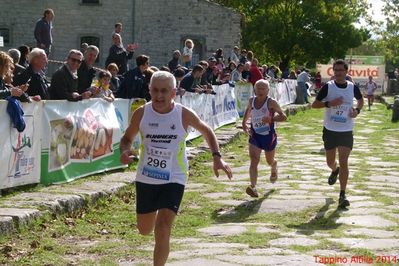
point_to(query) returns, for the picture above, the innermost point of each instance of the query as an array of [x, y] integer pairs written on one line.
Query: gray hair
[[74, 51], [164, 75], [262, 81], [36, 52], [15, 55], [92, 48]]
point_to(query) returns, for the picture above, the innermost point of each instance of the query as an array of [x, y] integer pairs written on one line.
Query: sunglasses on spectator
[[75, 60]]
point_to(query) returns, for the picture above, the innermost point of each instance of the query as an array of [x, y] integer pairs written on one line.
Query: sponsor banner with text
[[20, 151]]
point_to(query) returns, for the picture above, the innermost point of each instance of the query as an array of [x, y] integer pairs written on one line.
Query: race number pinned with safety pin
[[340, 113], [260, 127], [157, 163]]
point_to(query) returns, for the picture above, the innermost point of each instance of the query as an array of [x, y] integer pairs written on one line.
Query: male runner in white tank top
[[163, 167], [337, 97], [371, 87]]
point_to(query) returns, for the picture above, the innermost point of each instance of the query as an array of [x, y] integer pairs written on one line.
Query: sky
[[375, 11]]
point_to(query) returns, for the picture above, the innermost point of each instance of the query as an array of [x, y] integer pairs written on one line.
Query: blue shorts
[[264, 142]]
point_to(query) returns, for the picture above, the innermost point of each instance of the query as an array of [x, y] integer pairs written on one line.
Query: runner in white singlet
[[163, 168]]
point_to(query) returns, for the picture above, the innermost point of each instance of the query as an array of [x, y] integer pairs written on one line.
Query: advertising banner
[[359, 74], [82, 139], [243, 91], [20, 151], [216, 110]]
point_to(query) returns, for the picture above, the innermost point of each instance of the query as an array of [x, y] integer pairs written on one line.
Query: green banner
[[365, 60], [83, 139]]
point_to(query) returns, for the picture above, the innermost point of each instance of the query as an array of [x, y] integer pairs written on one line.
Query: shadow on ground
[[321, 221], [241, 212]]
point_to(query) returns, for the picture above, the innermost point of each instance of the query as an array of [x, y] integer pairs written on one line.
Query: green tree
[[389, 35], [304, 31]]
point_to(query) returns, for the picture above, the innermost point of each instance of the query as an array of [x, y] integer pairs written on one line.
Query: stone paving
[[370, 225], [367, 225]]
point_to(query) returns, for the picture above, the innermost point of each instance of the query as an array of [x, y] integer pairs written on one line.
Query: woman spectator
[[23, 60], [219, 55], [6, 69]]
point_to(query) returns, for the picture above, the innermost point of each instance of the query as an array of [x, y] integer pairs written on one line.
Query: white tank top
[[256, 118], [370, 88], [336, 118], [163, 147]]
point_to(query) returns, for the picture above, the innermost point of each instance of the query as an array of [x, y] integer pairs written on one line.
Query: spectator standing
[[117, 29], [302, 79], [132, 85], [174, 63], [188, 53], [86, 71], [219, 55], [23, 60], [34, 75], [119, 55], [255, 73], [64, 82], [43, 31], [243, 56], [234, 55]]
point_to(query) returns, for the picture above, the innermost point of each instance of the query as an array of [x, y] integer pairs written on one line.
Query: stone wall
[[159, 26], [164, 27]]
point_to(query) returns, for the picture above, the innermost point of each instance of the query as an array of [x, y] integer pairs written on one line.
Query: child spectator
[[115, 80], [188, 53], [101, 87]]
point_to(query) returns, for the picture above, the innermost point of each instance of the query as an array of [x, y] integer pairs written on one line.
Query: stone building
[[158, 26]]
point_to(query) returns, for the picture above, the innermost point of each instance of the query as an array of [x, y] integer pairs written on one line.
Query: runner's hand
[[127, 157], [267, 119], [353, 113], [218, 163]]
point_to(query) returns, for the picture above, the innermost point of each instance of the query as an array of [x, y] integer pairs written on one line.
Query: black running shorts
[[150, 198], [333, 139]]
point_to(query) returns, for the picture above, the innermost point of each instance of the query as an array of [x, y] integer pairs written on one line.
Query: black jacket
[[119, 56], [132, 85], [85, 77], [63, 85], [38, 84]]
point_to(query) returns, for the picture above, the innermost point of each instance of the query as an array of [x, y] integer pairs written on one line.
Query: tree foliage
[[304, 31], [389, 35]]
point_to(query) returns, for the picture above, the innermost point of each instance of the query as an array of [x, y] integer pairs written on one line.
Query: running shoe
[[343, 202], [333, 177], [252, 192]]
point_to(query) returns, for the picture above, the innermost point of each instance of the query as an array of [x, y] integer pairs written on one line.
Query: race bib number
[[340, 113], [158, 163], [260, 127]]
